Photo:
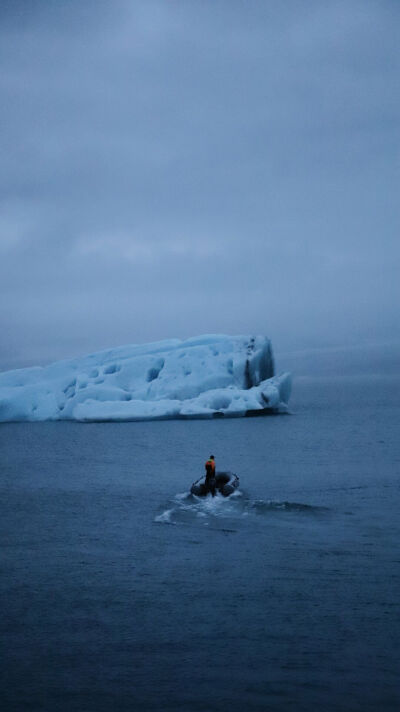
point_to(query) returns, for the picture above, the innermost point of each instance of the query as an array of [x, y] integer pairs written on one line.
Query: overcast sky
[[174, 168]]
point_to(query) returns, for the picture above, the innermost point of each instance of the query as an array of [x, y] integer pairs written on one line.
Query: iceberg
[[202, 377]]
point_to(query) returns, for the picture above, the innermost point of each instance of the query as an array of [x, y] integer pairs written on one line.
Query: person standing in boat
[[210, 475]]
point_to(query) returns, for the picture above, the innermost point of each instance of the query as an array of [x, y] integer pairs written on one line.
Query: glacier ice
[[205, 376]]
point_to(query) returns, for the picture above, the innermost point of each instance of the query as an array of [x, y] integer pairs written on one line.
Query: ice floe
[[205, 376]]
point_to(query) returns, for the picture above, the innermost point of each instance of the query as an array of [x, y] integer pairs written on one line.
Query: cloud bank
[[171, 169]]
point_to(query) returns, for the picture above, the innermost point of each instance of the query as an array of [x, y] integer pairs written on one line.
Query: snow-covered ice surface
[[206, 376]]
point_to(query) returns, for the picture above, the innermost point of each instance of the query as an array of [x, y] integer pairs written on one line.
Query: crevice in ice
[[250, 346], [111, 368], [154, 372], [70, 386], [247, 377]]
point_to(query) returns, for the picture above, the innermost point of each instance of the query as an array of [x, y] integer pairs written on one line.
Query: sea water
[[121, 591]]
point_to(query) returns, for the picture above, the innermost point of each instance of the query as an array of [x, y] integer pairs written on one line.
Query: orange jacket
[[210, 467]]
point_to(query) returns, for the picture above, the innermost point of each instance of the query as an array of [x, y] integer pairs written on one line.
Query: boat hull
[[225, 483]]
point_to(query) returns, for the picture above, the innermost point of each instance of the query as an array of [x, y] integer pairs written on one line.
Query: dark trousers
[[210, 484]]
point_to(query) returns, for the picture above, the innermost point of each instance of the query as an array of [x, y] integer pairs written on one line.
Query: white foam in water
[[165, 517], [190, 508]]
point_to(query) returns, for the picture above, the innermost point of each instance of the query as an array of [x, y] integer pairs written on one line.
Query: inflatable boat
[[225, 483]]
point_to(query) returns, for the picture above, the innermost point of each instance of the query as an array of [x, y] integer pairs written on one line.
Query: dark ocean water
[[121, 592]]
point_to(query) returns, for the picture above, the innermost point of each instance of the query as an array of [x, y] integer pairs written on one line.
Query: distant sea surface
[[120, 591]]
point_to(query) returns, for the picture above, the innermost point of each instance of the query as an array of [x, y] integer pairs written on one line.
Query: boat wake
[[187, 508]]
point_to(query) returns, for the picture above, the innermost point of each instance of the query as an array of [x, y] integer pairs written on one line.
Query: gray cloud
[[176, 168]]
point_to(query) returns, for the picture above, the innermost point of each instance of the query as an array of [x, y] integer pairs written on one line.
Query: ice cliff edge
[[206, 376]]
